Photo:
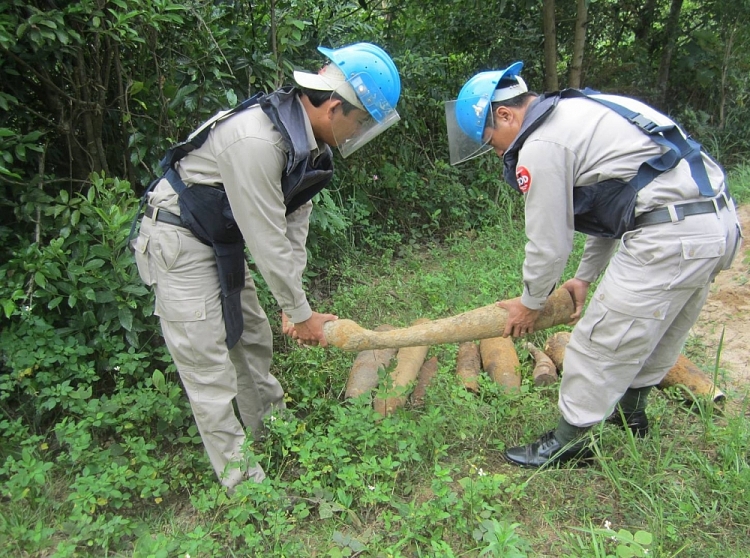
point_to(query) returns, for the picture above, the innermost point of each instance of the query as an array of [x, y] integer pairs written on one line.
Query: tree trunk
[[579, 42], [672, 31], [724, 69], [279, 73], [550, 46], [645, 20]]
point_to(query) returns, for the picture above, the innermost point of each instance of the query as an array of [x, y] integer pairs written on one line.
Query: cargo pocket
[[183, 310], [140, 251], [193, 339], [622, 325], [698, 261]]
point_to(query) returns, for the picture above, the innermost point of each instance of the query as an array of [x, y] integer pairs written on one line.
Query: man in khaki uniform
[[247, 177], [661, 226]]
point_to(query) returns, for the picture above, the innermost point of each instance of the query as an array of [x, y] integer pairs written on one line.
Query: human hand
[[520, 318], [578, 289], [310, 332], [287, 327]]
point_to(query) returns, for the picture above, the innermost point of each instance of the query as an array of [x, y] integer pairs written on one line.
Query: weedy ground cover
[[123, 473]]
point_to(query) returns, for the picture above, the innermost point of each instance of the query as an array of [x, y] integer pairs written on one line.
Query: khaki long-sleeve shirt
[[579, 144], [247, 155]]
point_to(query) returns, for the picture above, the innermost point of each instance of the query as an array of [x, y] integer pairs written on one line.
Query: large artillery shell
[[468, 365], [481, 323], [500, 361], [426, 374], [692, 381], [545, 373], [554, 348], [363, 376], [684, 373], [409, 361]]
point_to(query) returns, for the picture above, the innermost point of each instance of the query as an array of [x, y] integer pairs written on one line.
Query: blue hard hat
[[478, 93], [368, 67]]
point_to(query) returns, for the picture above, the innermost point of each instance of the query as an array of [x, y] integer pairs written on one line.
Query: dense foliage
[[93, 91]]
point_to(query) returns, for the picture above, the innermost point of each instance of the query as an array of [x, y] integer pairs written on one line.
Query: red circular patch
[[523, 176]]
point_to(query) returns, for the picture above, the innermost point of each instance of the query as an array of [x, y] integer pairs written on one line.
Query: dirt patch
[[728, 308]]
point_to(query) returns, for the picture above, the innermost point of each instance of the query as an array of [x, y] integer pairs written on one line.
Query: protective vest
[[301, 179], [607, 209], [205, 209]]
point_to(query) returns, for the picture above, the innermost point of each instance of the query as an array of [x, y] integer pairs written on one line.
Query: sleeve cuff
[[587, 273], [532, 302], [300, 314]]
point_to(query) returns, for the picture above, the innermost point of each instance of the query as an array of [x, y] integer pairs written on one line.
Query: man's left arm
[[547, 170], [297, 227]]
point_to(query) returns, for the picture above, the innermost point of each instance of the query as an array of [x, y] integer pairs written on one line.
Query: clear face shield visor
[[475, 115], [374, 114]]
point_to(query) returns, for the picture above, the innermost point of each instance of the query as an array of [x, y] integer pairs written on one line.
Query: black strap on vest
[[178, 151], [198, 138], [679, 146], [607, 208], [206, 212], [222, 234]]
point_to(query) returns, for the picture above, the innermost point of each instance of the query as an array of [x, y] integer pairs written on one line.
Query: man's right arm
[[251, 169]]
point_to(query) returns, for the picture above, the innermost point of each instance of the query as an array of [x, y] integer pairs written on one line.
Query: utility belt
[[163, 216], [607, 209], [675, 213]]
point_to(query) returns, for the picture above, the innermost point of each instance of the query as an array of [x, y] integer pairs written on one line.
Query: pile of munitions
[[409, 378]]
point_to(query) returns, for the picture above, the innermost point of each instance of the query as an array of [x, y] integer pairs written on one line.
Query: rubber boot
[[630, 411]]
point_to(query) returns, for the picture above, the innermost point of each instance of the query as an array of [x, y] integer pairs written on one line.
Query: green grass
[[425, 482], [739, 183]]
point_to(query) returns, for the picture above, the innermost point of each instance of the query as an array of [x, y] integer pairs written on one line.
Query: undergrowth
[[107, 461]]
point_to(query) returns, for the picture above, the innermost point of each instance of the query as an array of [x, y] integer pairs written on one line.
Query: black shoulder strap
[[198, 137], [679, 145], [179, 150]]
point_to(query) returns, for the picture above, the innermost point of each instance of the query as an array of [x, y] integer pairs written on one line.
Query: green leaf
[[644, 538], [101, 251], [6, 172], [104, 296], [624, 551], [158, 380], [40, 279], [136, 87], [47, 23], [93, 264], [62, 36], [126, 317], [231, 97], [81, 393], [625, 535], [8, 307]]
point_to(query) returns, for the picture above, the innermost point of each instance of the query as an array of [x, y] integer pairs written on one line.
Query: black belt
[[662, 215], [163, 216]]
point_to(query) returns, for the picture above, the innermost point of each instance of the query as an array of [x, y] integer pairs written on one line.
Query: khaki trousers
[[640, 315], [184, 276]]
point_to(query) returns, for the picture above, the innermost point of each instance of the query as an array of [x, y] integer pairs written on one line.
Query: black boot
[[631, 411], [556, 446], [637, 421]]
